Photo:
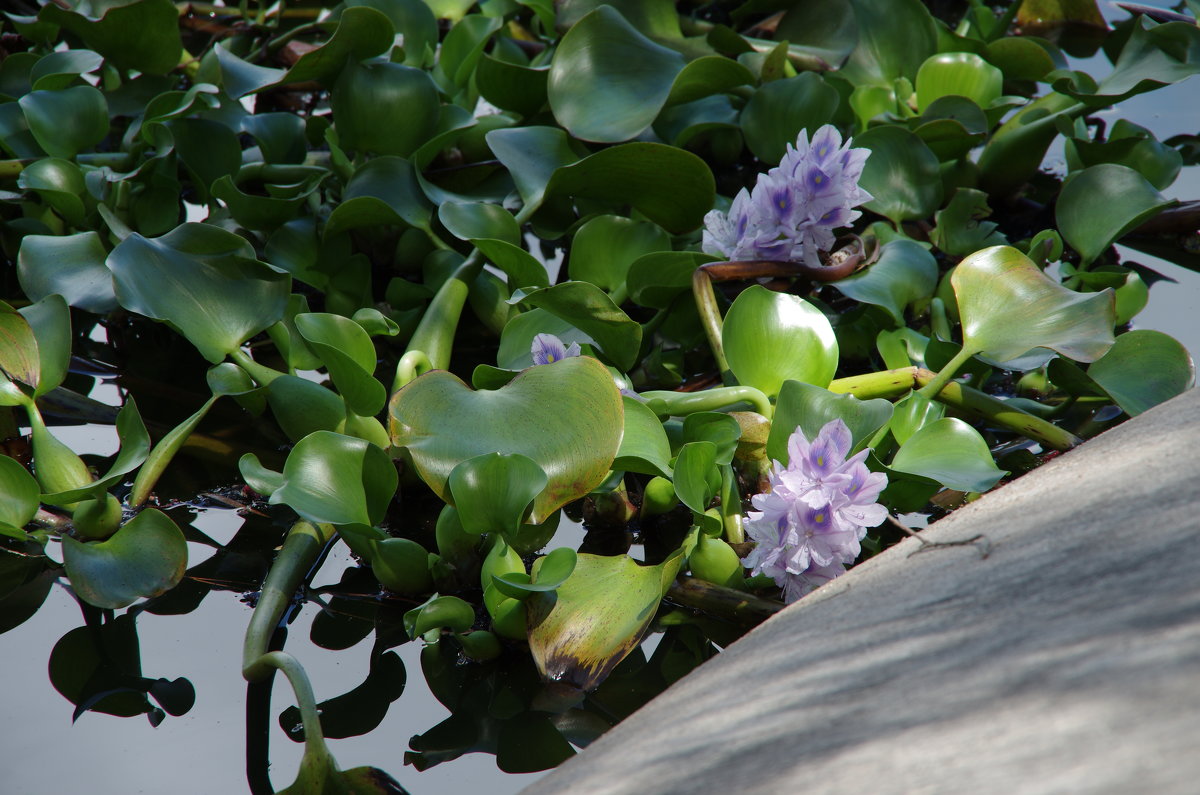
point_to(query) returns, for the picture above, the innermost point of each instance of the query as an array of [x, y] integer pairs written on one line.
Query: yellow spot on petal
[[550, 358]]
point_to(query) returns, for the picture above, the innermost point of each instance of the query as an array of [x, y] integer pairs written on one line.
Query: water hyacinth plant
[[516, 333]]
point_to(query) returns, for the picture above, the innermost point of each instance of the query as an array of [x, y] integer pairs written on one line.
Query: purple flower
[[810, 524], [548, 349], [794, 207]]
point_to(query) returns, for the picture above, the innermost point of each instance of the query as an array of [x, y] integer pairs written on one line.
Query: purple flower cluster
[[794, 207], [809, 525]]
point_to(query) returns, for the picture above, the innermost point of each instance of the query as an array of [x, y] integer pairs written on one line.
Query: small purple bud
[[548, 349]]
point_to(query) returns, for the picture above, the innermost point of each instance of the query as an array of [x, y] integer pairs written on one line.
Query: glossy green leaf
[[337, 479], [950, 452], [549, 572], [258, 477], [494, 492], [478, 220], [1154, 55], [962, 74], [516, 341], [809, 408], [513, 87], [146, 557], [166, 277], [50, 323], [773, 337], [604, 248], [60, 184], [70, 265], [644, 444], [384, 108], [697, 480], [401, 564], [135, 446], [66, 122], [607, 81], [596, 618], [412, 19], [669, 186], [894, 39], [716, 427], [18, 348], [1142, 369], [707, 75], [828, 30], [779, 110], [531, 155], [565, 416], [383, 191], [58, 70], [902, 174], [589, 309], [1019, 58], [141, 35], [904, 273], [520, 267], [461, 50], [302, 407], [961, 229], [1009, 306], [19, 496], [655, 280], [1098, 205], [349, 356], [440, 611]]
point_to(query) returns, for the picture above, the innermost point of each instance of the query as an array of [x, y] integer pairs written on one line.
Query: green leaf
[[60, 184], [142, 35], [258, 477], [383, 191], [779, 110], [605, 247], [950, 452], [1009, 306], [904, 273], [203, 281], [134, 447], [494, 492], [531, 155], [18, 348], [70, 265], [913, 412], [961, 229], [337, 479], [302, 407], [66, 122], [655, 280], [468, 221], [521, 267], [713, 426], [827, 30], [902, 174], [401, 564], [1142, 369], [349, 356], [590, 310], [894, 39], [810, 408], [58, 70], [549, 573], [962, 74], [596, 617], [708, 75], [516, 340], [384, 108], [607, 81], [774, 337], [19, 496], [146, 557], [512, 87], [1155, 55], [565, 416], [669, 186], [1098, 205], [440, 611], [50, 322], [644, 445], [697, 480]]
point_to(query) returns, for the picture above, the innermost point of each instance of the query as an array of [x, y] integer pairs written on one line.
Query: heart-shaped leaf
[[135, 446], [493, 492], [961, 74], [329, 477], [70, 265], [566, 417], [1142, 369], [142, 35], [774, 337], [779, 110], [548, 573], [644, 445], [950, 452], [1009, 306], [66, 122], [589, 309], [440, 611], [596, 617], [19, 497], [203, 281], [607, 81], [1101, 203], [902, 174], [383, 191], [478, 220], [904, 273], [605, 247], [384, 108], [349, 356], [146, 557], [809, 408]]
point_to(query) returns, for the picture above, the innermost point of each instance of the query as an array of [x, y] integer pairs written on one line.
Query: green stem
[[890, 384], [115, 224], [731, 507], [411, 365], [299, 552], [261, 374], [434, 335], [944, 375], [710, 319], [679, 404]]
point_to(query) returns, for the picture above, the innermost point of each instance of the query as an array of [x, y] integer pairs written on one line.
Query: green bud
[[97, 518], [713, 560]]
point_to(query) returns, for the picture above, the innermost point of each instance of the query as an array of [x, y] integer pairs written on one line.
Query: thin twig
[[985, 546]]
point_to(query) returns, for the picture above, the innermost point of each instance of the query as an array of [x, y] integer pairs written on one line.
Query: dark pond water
[[204, 750]]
